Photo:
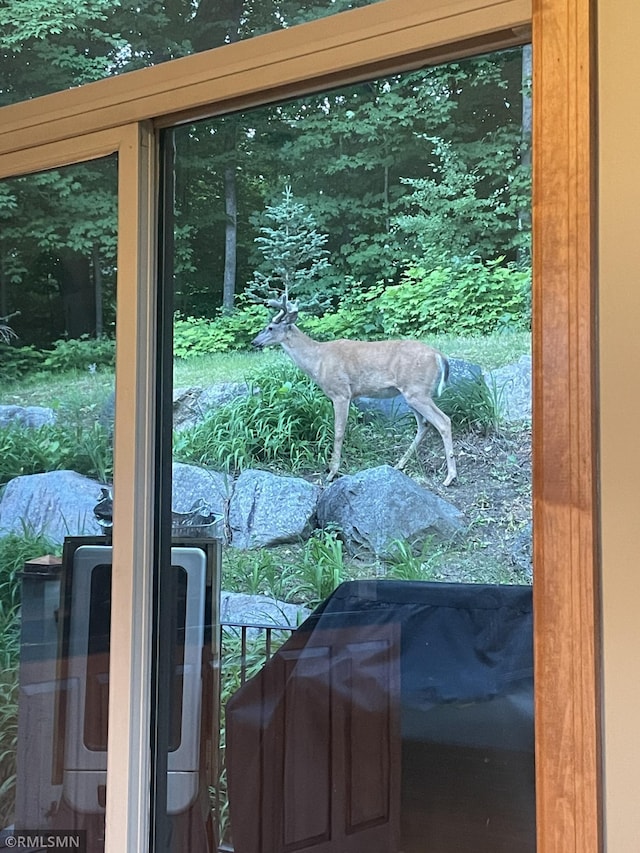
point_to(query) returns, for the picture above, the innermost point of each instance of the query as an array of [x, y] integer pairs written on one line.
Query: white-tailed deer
[[346, 369]]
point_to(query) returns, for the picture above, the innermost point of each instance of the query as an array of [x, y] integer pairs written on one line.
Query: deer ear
[[291, 318]]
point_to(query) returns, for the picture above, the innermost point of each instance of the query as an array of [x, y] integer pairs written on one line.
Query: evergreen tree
[[293, 252]]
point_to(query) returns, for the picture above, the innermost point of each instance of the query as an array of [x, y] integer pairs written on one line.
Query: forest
[[410, 190]]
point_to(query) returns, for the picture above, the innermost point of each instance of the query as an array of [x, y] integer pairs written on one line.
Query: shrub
[[198, 336], [470, 298], [358, 317], [463, 298], [82, 353], [320, 568], [472, 405], [16, 362]]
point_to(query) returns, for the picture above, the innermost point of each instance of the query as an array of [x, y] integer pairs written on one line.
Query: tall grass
[[55, 447], [15, 551], [284, 421]]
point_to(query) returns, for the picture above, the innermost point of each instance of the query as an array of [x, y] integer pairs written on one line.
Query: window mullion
[[129, 766]]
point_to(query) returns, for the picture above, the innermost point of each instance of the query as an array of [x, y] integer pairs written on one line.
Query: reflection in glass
[[402, 710], [47, 47], [58, 241]]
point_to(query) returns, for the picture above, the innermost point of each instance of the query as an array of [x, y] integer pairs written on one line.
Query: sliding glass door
[[376, 635]]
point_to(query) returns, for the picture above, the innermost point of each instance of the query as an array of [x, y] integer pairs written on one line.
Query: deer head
[[280, 325]]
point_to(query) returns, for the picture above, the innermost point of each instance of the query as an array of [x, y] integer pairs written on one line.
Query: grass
[[490, 351], [207, 370], [77, 397]]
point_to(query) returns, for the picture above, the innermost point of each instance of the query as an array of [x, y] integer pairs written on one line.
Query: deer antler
[[283, 307]]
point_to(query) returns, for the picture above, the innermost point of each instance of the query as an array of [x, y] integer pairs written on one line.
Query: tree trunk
[[78, 298], [4, 292], [524, 214], [231, 238], [97, 288]]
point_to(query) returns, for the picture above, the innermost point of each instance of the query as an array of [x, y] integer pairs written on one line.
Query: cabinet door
[[318, 732]]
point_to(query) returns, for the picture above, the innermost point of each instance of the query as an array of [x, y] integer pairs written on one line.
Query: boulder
[[266, 509], [513, 387], [377, 506], [26, 416], [239, 608], [463, 371], [61, 503], [198, 491], [192, 405], [56, 504]]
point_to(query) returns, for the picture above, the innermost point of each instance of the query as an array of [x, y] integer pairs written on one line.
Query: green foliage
[[470, 298], [357, 316], [54, 447], [320, 567], [83, 353], [403, 563], [305, 574], [446, 210], [9, 652], [467, 298], [285, 420], [197, 336], [260, 572]]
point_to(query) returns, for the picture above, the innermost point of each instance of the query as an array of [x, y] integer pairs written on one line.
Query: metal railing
[[244, 650]]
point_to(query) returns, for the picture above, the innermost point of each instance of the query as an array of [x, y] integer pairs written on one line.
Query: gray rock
[[269, 510], [241, 609], [191, 483], [61, 503], [375, 507], [192, 405], [513, 387], [56, 504], [200, 501], [26, 416], [461, 370]]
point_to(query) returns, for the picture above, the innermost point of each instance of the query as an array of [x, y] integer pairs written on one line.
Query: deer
[[345, 369]]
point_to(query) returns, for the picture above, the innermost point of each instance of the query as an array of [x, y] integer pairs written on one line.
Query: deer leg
[[426, 410], [340, 415], [420, 434]]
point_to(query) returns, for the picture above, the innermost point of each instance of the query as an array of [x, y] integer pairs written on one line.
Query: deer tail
[[443, 364]]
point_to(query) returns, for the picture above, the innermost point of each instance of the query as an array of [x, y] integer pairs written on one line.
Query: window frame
[[124, 114]]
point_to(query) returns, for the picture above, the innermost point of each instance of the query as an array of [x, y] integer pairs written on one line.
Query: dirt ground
[[493, 491]]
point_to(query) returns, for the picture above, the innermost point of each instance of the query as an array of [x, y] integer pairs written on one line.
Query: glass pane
[[47, 47], [57, 309], [368, 244]]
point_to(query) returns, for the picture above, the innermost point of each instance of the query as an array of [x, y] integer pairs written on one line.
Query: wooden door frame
[[566, 512]]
